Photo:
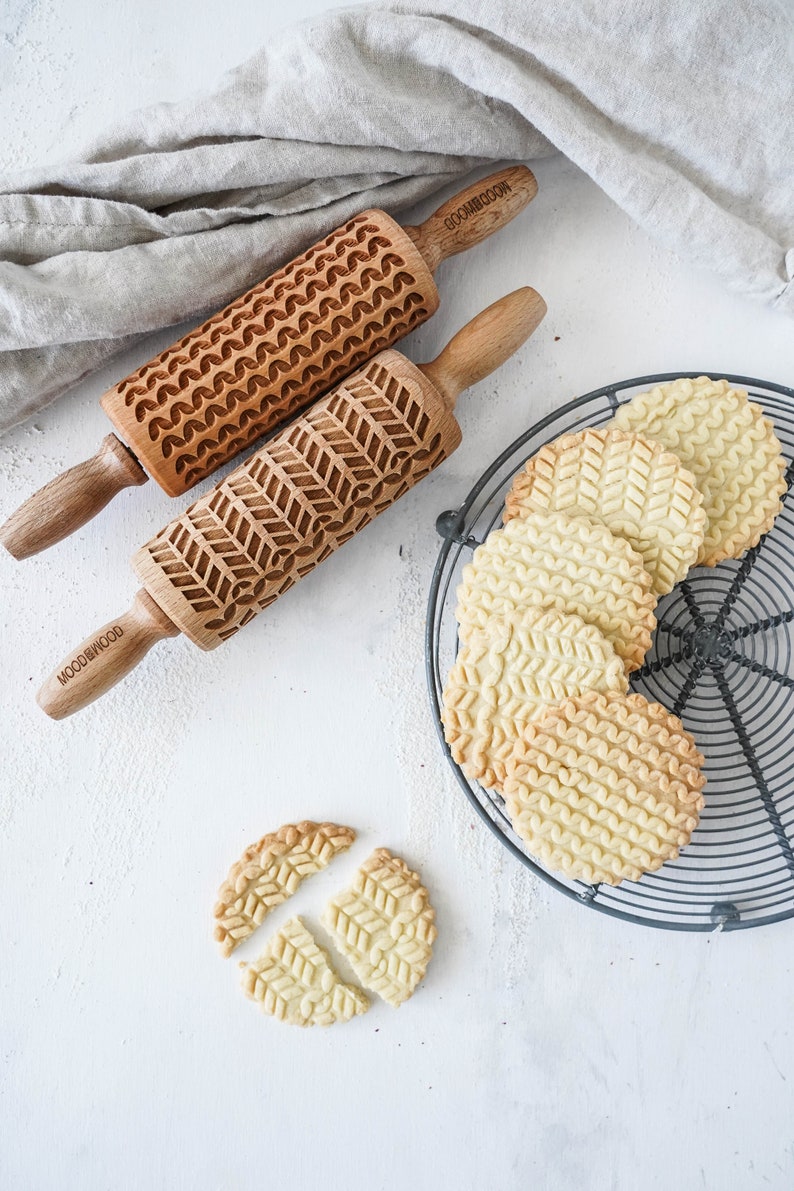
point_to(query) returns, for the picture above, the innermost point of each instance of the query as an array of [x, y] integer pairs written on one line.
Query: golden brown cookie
[[729, 446], [627, 482], [605, 788], [269, 872], [293, 980], [571, 564], [506, 673], [384, 925]]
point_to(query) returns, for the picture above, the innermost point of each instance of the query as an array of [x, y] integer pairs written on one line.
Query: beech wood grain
[[270, 353], [298, 498]]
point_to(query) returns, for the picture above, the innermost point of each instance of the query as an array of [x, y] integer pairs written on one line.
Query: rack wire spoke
[[764, 671], [752, 762], [739, 579], [697, 666], [761, 626], [692, 608], [657, 664], [674, 630]]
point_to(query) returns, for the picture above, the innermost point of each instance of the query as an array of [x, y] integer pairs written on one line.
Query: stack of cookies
[[556, 609]]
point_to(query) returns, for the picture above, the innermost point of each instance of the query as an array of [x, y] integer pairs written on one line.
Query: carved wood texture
[[272, 351], [297, 499]]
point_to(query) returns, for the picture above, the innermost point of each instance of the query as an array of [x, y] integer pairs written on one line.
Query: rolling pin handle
[[473, 214], [105, 658], [71, 499], [486, 342]]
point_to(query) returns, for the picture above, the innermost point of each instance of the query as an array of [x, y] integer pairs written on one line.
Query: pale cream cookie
[[269, 872], [730, 447], [571, 564], [506, 673], [605, 787], [293, 980], [384, 925], [640, 491]]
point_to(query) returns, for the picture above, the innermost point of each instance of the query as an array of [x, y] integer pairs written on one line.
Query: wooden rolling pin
[[267, 355], [294, 501]]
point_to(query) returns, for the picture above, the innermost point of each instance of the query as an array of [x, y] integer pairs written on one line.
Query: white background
[[549, 1046]]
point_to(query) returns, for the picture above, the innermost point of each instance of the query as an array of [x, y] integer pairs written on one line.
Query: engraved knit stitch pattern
[[269, 353], [299, 498], [605, 787], [640, 491], [570, 564], [508, 671], [293, 980], [269, 872], [731, 449], [384, 925]]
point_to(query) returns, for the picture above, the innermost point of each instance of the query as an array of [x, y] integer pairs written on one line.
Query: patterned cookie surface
[[506, 673], [729, 446], [293, 980], [570, 564], [384, 925], [269, 872], [630, 484], [605, 787]]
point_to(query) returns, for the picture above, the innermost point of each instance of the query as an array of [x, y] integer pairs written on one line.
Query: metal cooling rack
[[721, 659]]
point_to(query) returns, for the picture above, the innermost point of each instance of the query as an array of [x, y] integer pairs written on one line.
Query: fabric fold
[[683, 114]]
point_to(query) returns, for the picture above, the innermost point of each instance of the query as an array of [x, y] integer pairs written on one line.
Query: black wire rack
[[721, 659]]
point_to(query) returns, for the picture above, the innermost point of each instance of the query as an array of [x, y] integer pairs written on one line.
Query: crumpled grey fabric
[[683, 113]]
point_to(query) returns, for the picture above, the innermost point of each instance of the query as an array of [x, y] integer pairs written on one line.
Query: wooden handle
[[485, 343], [104, 658], [474, 214], [71, 499]]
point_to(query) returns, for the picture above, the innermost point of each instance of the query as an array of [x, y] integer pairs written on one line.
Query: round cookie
[[605, 787], [629, 483], [507, 673], [729, 446], [571, 564]]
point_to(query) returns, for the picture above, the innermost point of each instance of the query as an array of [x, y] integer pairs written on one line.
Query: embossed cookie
[[293, 981], [630, 484], [729, 446], [506, 673], [605, 788], [571, 564], [384, 925], [269, 872]]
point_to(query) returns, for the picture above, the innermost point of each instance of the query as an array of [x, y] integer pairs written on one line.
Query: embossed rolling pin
[[294, 501], [267, 355]]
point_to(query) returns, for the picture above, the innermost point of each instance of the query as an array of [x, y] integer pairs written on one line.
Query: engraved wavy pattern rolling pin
[[268, 355], [294, 501]]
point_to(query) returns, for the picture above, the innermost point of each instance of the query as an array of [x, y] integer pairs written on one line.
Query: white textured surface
[[549, 1046]]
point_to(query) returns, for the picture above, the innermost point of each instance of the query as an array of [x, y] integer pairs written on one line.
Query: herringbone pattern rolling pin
[[296, 500], [268, 355], [244, 544]]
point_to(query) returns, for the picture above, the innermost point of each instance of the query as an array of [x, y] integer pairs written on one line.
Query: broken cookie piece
[[293, 981]]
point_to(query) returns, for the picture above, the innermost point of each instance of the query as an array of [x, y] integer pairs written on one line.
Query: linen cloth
[[682, 112]]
